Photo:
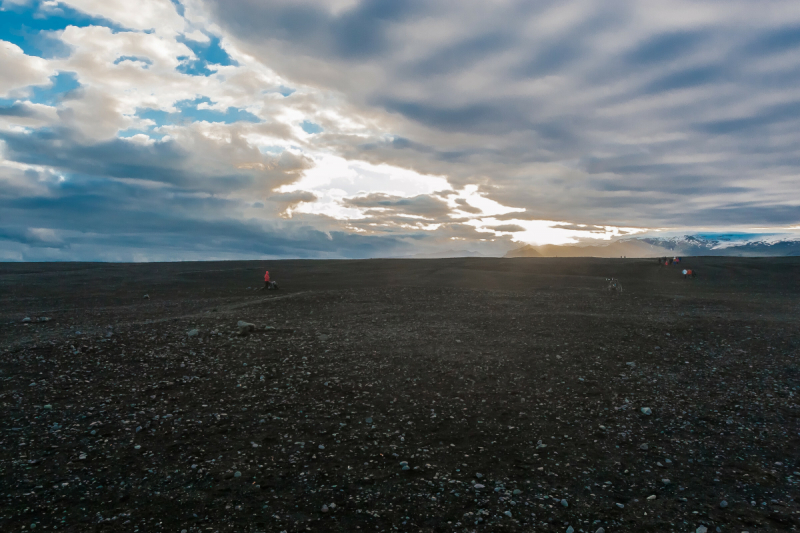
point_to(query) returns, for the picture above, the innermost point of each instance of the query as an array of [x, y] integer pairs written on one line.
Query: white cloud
[[20, 70]]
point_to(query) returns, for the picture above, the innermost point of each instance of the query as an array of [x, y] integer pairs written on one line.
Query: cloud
[[178, 128], [20, 70]]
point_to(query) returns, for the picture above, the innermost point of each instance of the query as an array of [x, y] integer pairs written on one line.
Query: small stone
[[245, 328], [324, 509], [332, 506], [321, 446], [665, 481], [564, 503], [507, 513], [600, 530], [478, 475], [723, 504], [478, 486], [619, 505], [644, 447], [193, 333], [701, 529], [651, 497], [406, 467], [26, 319], [146, 297], [517, 492], [237, 474], [646, 411], [369, 420], [48, 407], [570, 529]]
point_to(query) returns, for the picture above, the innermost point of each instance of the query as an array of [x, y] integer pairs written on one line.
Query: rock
[[723, 504], [478, 486], [321, 446], [646, 411], [701, 529], [478, 475], [620, 505], [245, 328], [564, 503], [324, 509], [369, 420], [570, 529], [48, 407], [237, 474], [44, 319], [26, 319], [146, 297], [644, 447], [193, 333], [600, 530], [517, 492], [665, 481], [507, 513], [651, 497], [332, 506]]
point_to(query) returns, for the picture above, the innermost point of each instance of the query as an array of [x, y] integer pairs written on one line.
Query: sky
[[162, 130]]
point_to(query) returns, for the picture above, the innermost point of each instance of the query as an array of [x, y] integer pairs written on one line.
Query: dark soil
[[513, 390]]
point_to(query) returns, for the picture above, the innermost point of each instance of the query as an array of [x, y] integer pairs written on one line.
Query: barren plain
[[401, 395]]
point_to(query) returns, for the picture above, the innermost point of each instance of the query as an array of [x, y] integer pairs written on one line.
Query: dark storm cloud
[[511, 228], [90, 218], [667, 102], [422, 205]]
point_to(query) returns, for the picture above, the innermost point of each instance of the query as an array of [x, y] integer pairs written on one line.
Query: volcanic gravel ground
[[447, 395]]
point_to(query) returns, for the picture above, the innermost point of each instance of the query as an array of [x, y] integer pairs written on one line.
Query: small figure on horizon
[[269, 285]]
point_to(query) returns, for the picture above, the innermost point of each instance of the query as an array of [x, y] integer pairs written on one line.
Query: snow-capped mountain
[[723, 244]]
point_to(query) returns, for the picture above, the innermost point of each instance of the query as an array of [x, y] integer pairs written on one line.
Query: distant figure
[[269, 285], [685, 272], [688, 273]]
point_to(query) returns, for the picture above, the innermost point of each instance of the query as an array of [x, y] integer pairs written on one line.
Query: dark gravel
[[442, 395]]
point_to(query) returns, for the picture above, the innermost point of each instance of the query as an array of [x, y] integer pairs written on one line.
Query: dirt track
[[506, 387]]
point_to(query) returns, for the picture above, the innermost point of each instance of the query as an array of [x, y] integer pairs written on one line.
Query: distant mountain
[[525, 251], [446, 254], [744, 245]]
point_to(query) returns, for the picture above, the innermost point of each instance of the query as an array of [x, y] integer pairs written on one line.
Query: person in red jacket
[[267, 283]]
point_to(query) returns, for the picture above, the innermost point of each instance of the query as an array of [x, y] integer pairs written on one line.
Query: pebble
[[369, 420], [644, 447], [192, 333], [324, 509], [665, 481], [651, 497], [507, 513], [478, 486], [646, 411], [564, 503], [478, 475], [237, 474], [570, 529], [701, 529], [600, 530], [723, 504], [619, 505]]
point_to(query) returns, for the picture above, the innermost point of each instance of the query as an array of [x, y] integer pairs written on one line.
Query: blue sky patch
[[63, 84], [28, 27], [310, 127], [208, 53], [188, 112], [146, 61]]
